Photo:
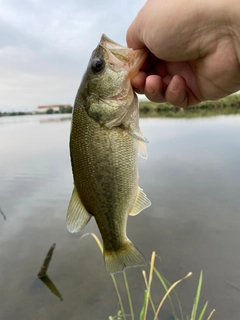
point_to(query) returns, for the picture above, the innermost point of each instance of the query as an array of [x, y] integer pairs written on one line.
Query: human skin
[[194, 50]]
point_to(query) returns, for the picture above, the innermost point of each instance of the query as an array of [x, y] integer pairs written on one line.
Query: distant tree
[[49, 111], [65, 109], [62, 109], [145, 109], [69, 109]]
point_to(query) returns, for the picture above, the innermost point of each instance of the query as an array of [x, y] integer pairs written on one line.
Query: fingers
[[176, 92], [138, 82], [154, 88], [172, 90], [179, 94], [160, 89]]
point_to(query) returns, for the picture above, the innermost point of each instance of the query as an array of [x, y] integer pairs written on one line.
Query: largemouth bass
[[105, 141]]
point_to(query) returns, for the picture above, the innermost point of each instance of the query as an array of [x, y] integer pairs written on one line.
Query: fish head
[[106, 85]]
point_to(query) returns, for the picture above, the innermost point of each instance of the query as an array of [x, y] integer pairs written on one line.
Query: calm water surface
[[192, 177]]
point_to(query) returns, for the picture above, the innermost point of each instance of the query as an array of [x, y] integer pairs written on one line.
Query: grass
[[226, 106], [154, 275]]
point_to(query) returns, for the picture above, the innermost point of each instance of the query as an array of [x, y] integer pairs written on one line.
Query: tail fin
[[125, 257]]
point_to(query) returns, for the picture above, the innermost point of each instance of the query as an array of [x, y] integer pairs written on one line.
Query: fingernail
[[174, 86], [150, 90]]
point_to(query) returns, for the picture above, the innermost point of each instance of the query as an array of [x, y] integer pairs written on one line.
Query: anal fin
[[77, 215], [142, 202]]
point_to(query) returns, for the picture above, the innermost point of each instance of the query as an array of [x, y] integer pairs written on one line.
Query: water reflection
[[3, 214], [56, 119], [192, 178], [51, 286], [42, 274]]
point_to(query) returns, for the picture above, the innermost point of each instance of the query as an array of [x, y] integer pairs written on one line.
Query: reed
[[155, 276]]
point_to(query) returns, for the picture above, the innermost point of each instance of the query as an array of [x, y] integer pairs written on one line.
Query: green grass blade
[[149, 281], [203, 311], [177, 298], [163, 282], [142, 313], [119, 296], [128, 294], [196, 300], [112, 276], [150, 298], [167, 293], [119, 315]]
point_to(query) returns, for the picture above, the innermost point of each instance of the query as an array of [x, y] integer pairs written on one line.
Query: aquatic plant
[[147, 299]]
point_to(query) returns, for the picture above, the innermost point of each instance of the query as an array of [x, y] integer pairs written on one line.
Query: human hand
[[194, 50]]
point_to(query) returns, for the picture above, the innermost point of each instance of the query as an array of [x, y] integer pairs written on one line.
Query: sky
[[45, 46]]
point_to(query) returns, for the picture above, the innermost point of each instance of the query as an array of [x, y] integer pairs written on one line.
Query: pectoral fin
[[137, 135], [142, 202], [77, 215], [142, 150]]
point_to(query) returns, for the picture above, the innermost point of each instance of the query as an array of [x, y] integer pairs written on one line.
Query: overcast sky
[[45, 46]]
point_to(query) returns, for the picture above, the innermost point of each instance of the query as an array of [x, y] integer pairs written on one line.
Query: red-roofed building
[[55, 107]]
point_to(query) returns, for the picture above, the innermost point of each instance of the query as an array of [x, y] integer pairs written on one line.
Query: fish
[[105, 141]]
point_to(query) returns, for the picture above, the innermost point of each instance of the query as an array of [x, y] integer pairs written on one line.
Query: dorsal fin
[[77, 215], [142, 202]]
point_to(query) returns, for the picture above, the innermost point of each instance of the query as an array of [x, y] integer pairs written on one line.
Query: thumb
[[134, 36]]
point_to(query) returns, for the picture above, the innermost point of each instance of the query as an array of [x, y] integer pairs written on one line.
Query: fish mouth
[[108, 43], [121, 57]]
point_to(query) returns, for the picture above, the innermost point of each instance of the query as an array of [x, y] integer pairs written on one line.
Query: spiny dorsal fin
[[142, 202], [77, 215], [142, 150]]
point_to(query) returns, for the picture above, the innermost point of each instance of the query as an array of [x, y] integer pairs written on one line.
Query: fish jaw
[[121, 57], [107, 94]]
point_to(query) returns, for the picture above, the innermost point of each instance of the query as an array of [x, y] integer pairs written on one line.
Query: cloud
[[45, 46]]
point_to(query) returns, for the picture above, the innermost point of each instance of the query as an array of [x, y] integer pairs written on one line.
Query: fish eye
[[97, 64]]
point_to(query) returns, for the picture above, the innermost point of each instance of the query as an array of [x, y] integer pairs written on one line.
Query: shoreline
[[227, 106]]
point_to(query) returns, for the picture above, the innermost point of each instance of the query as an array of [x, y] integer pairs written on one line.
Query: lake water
[[192, 177]]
